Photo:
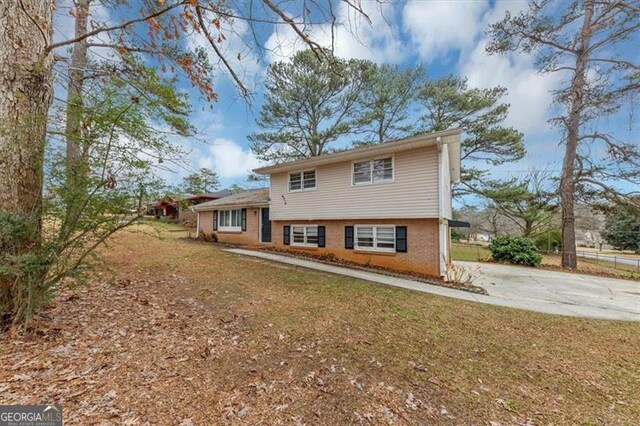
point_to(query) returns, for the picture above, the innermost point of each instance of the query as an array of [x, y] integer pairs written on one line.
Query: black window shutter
[[244, 220], [286, 234], [215, 220], [401, 239], [321, 236], [348, 237]]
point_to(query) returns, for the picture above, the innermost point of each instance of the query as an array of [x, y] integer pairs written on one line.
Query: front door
[[265, 226]]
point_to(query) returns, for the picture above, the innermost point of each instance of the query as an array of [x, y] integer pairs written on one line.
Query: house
[[165, 207], [187, 214], [241, 218], [386, 205], [176, 208]]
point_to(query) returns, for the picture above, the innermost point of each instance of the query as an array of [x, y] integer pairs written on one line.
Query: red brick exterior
[[422, 254], [249, 237]]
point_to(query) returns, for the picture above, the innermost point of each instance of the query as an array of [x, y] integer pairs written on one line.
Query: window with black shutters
[[375, 237], [304, 235]]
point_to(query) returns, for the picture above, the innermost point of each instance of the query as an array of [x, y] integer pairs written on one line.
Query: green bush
[[23, 289], [516, 250], [549, 241]]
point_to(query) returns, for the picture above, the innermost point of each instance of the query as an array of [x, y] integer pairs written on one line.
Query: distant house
[[179, 208], [386, 205], [185, 211], [165, 207]]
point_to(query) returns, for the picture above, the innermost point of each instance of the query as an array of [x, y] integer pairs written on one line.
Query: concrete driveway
[[531, 289], [562, 292]]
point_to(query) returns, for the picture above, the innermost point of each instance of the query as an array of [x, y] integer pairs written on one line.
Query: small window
[[230, 220], [302, 181], [376, 238], [362, 172], [373, 171], [306, 236]]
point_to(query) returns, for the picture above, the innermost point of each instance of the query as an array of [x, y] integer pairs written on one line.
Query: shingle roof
[[217, 194], [250, 198]]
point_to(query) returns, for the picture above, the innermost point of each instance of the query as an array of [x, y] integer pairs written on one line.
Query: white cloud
[[439, 27], [353, 36], [229, 159], [529, 92]]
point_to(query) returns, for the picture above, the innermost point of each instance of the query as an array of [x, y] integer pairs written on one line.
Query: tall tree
[[26, 87], [622, 226], [309, 105], [386, 101], [530, 202], [449, 102], [591, 43], [27, 54], [202, 182]]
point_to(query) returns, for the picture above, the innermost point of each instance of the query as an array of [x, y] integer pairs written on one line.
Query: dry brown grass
[[179, 330]]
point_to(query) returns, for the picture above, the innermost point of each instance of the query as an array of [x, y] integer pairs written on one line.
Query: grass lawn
[[469, 252], [177, 331], [475, 253]]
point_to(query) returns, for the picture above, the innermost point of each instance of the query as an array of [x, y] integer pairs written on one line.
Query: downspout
[[441, 236], [197, 224]]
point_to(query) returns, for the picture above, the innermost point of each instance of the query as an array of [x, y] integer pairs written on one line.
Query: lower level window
[[304, 236], [378, 238], [230, 220]]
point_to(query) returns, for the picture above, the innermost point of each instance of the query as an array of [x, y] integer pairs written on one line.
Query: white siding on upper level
[[414, 192]]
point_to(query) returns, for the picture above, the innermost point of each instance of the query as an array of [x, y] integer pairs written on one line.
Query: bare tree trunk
[[568, 179], [73, 130], [76, 168], [26, 93]]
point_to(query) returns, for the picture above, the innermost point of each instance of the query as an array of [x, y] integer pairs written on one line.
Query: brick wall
[[250, 236], [422, 254]]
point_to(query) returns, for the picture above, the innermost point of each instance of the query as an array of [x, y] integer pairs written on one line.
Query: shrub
[[550, 240], [516, 250], [23, 288], [209, 237]]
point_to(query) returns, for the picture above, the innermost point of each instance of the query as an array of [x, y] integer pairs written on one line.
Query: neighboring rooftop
[[217, 194], [250, 198], [451, 137]]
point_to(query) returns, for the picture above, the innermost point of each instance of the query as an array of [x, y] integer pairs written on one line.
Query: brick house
[[386, 205], [237, 218]]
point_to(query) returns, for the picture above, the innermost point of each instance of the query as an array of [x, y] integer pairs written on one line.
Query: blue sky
[[446, 36]]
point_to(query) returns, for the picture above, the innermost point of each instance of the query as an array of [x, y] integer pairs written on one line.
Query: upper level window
[[373, 171], [302, 181], [230, 220]]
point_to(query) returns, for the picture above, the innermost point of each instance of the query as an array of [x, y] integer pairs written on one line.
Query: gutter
[[418, 141]]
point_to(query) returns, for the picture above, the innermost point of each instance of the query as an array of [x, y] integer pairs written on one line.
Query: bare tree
[[589, 42], [157, 29]]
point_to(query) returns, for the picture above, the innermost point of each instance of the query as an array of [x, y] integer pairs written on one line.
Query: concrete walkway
[[523, 288]]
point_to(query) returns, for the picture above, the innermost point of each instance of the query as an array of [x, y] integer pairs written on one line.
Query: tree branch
[[126, 24], [243, 89]]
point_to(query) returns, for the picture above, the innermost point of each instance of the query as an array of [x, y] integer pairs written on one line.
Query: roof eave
[[352, 154], [228, 206]]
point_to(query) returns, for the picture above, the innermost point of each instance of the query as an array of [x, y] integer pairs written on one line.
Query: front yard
[[177, 331], [602, 266]]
